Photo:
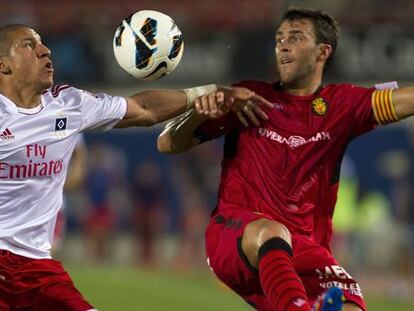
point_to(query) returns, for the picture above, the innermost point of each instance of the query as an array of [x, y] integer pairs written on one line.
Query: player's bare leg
[[259, 231], [267, 246]]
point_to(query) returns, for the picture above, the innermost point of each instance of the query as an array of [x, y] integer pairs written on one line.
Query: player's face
[[296, 51], [29, 60]]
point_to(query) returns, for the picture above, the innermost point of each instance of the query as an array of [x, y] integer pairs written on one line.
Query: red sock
[[281, 285]]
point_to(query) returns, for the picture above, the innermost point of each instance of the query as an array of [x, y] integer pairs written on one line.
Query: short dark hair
[[325, 26], [5, 39]]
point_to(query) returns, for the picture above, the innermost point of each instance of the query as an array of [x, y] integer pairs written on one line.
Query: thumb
[[229, 102], [220, 97]]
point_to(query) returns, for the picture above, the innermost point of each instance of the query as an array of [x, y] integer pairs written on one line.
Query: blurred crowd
[[134, 205], [60, 17], [220, 35]]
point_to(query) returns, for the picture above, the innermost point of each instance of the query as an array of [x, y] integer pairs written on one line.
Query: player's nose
[[43, 50], [284, 48], [283, 45]]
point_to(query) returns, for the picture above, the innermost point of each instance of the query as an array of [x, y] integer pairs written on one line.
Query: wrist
[[195, 92]]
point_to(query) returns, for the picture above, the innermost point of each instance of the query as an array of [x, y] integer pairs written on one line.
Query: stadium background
[[117, 261]]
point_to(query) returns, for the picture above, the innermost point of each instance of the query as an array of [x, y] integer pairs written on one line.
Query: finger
[[242, 118], [224, 105], [242, 94], [212, 105], [228, 103], [250, 114], [220, 97], [259, 112], [198, 106], [205, 105], [260, 100], [236, 105]]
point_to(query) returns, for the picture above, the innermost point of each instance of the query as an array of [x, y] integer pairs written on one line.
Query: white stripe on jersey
[[34, 157]]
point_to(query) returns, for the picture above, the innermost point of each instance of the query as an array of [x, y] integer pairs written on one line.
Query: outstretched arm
[[149, 107], [403, 99], [392, 105]]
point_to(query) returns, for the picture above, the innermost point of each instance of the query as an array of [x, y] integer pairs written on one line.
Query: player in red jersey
[[268, 238]]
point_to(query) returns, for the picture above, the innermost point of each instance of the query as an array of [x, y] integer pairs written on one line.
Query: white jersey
[[35, 148]]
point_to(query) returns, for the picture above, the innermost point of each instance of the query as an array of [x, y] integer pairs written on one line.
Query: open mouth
[[49, 66], [285, 61]]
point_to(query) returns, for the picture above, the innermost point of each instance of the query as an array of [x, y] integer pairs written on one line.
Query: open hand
[[244, 102]]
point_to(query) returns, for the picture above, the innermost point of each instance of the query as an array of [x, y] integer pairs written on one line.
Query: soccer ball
[[148, 45]]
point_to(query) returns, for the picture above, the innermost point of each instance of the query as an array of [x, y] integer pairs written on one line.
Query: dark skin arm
[[403, 99], [149, 107]]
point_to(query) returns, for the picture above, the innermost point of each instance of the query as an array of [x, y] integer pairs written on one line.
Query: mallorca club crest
[[319, 106]]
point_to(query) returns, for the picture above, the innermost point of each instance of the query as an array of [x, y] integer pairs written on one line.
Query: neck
[[23, 98], [303, 87]]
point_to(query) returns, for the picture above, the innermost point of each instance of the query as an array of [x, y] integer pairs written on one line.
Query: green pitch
[[129, 289]]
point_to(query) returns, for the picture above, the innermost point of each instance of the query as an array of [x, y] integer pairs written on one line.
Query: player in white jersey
[[38, 129]]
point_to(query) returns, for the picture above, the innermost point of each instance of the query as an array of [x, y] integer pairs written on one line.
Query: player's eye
[[279, 41], [29, 43], [297, 38]]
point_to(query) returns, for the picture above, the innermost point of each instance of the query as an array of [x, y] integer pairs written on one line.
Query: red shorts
[[37, 285], [314, 264]]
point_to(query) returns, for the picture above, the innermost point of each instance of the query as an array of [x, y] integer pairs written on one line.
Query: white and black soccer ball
[[148, 45]]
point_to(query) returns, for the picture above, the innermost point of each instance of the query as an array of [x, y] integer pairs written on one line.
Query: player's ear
[[4, 66], [324, 51]]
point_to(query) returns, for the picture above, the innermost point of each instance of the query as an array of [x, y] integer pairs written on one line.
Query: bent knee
[[257, 233], [263, 230]]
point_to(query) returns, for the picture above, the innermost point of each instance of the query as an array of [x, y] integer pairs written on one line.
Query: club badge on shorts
[[319, 106]]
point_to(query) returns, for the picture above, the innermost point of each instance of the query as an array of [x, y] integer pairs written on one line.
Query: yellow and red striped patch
[[383, 106]]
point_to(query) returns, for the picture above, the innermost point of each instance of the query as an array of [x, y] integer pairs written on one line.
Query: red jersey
[[288, 168]]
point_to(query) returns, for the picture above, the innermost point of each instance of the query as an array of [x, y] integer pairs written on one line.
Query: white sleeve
[[102, 111]]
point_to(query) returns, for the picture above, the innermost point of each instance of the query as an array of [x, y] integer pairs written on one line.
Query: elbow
[[163, 145], [138, 114]]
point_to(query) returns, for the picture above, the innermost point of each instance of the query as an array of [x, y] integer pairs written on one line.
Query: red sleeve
[[365, 108], [359, 105]]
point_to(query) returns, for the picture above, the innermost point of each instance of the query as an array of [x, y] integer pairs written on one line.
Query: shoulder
[[347, 97], [65, 93], [345, 89], [60, 93], [57, 90]]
